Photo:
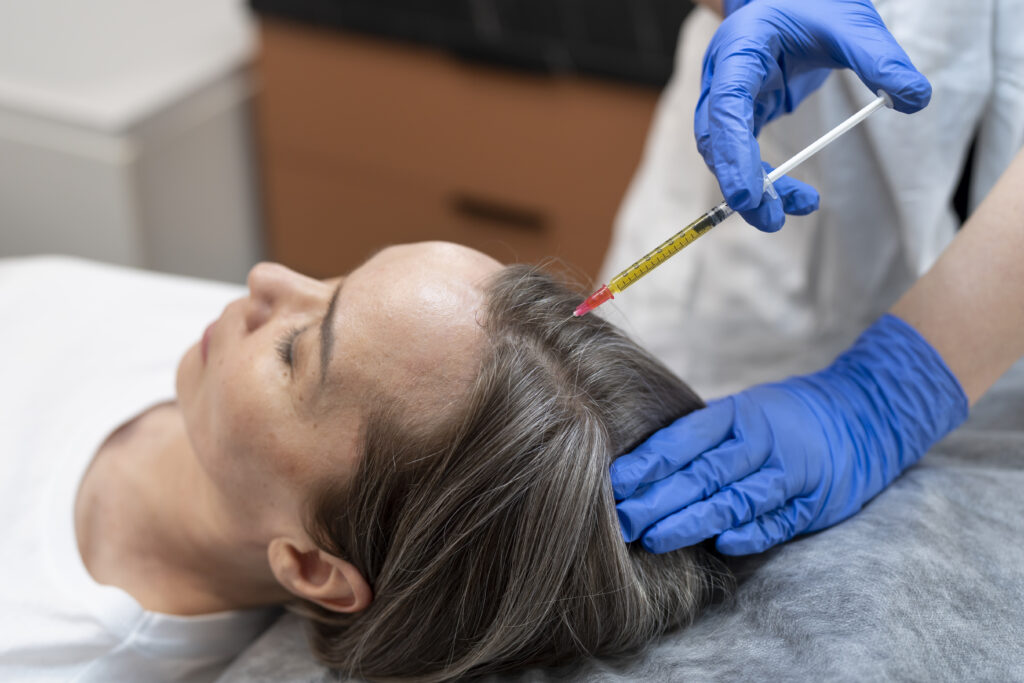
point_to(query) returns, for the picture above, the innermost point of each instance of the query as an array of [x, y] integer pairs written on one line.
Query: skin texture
[[970, 305], [197, 506], [491, 542], [713, 5], [479, 506]]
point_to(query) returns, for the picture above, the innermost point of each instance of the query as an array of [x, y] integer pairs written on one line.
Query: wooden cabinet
[[367, 142]]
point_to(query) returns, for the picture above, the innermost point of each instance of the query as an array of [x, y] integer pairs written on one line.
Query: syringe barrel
[[719, 213], [669, 247], [691, 232], [810, 150]]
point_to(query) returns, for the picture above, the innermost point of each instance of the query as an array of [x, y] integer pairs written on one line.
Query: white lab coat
[[740, 306]]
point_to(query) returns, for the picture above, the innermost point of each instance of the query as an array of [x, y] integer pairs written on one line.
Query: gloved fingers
[[798, 198], [879, 61], [767, 106], [733, 506], [701, 128], [794, 197], [766, 531], [701, 131], [705, 475], [730, 6], [768, 217], [672, 448], [801, 81], [734, 153]]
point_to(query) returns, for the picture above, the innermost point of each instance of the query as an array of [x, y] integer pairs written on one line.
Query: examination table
[[925, 583]]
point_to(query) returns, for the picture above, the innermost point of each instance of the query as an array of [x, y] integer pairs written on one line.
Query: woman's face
[[274, 393]]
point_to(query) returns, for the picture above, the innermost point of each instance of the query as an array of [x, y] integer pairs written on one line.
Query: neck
[[149, 522]]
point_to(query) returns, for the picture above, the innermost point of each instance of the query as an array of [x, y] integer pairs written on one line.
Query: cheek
[[231, 418], [247, 437]]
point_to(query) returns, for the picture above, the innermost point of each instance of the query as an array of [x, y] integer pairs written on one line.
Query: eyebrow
[[327, 334]]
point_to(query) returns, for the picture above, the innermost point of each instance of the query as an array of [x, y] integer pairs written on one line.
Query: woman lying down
[[414, 456]]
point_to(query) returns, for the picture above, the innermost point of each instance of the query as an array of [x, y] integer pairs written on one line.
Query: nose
[[276, 290]]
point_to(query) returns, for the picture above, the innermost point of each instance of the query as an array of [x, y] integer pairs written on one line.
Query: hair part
[[490, 538]]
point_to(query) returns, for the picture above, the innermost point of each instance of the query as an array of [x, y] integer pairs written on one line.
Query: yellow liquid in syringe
[[654, 258], [691, 232]]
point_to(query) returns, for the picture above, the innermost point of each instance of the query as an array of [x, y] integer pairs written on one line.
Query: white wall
[[124, 133]]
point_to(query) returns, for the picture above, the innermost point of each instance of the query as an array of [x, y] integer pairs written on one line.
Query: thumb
[[798, 198]]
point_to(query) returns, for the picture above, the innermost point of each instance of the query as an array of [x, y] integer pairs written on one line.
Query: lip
[[204, 345]]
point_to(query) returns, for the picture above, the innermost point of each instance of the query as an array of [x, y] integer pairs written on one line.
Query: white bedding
[[926, 583]]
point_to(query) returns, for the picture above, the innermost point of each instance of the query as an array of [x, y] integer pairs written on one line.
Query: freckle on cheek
[[287, 469]]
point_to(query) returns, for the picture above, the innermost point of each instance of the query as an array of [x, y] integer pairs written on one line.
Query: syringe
[[688, 235]]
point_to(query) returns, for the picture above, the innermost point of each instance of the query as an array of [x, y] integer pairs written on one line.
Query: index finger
[[733, 506], [672, 448], [735, 154]]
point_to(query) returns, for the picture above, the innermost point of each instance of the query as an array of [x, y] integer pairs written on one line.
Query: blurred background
[[199, 136]]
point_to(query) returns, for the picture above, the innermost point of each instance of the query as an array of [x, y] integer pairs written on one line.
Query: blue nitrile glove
[[777, 460], [764, 59]]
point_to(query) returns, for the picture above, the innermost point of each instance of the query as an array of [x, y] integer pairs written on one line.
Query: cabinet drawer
[[338, 213], [533, 166]]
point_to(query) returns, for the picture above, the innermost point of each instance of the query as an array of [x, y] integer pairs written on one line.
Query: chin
[[187, 377], [187, 390]]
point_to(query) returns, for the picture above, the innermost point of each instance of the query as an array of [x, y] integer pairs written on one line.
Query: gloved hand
[[764, 59], [782, 459]]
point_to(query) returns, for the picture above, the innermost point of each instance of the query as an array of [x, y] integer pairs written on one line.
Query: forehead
[[442, 276], [406, 322]]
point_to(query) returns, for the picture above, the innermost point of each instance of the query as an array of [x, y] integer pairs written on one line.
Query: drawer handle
[[499, 212]]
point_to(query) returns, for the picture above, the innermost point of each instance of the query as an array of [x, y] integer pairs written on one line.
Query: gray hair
[[490, 539]]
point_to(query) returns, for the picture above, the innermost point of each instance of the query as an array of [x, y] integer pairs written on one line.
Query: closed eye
[[286, 346]]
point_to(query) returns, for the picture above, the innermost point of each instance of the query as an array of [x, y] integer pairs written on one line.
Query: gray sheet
[[925, 583]]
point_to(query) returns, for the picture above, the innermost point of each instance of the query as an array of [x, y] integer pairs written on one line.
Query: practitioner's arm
[[762, 466], [970, 305], [713, 5]]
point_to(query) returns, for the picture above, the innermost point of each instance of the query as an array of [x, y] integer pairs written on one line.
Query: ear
[[314, 574]]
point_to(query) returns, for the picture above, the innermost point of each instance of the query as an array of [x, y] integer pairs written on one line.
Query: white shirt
[[740, 306], [85, 348]]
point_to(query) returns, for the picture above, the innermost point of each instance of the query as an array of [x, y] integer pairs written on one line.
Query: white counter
[[124, 133]]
